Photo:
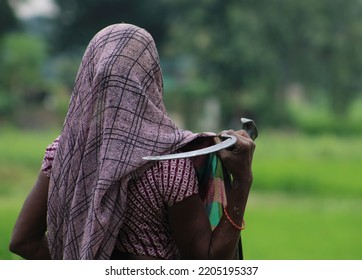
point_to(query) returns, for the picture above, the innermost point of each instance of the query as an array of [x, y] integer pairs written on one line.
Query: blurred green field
[[287, 227], [306, 201], [21, 153]]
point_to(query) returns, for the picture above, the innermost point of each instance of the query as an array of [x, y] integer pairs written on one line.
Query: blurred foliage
[[8, 20], [262, 47], [290, 64], [22, 60], [22, 83], [79, 20]]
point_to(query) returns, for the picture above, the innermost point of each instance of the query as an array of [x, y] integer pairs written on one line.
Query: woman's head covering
[[116, 116]]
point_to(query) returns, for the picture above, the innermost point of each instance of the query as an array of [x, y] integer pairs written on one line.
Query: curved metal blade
[[249, 126], [230, 140]]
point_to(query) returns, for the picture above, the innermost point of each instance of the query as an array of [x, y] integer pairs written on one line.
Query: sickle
[[229, 140]]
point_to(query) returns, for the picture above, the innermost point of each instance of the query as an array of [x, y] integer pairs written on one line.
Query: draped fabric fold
[[116, 116]]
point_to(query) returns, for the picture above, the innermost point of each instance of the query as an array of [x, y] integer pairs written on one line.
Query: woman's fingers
[[238, 159], [243, 143]]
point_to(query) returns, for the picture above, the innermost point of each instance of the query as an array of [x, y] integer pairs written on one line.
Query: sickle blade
[[231, 140]]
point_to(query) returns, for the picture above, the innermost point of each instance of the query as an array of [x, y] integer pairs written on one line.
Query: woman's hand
[[238, 160], [189, 222]]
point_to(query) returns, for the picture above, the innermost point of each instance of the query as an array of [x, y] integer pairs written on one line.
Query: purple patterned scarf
[[116, 116]]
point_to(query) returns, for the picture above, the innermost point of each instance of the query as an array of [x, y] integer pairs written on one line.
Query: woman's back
[[146, 230]]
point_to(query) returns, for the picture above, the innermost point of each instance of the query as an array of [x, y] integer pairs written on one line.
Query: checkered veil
[[116, 116]]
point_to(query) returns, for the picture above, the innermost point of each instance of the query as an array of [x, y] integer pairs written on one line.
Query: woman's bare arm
[[29, 239], [190, 224]]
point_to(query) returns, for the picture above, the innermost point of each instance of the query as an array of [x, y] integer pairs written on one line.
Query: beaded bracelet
[[233, 223]]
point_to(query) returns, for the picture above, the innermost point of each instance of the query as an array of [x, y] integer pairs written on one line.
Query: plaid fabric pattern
[[115, 117]]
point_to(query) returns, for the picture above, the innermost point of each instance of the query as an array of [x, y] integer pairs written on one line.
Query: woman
[[98, 199]]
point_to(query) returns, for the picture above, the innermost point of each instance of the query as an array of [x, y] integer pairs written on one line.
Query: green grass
[[9, 210], [284, 227], [294, 163], [21, 155], [305, 203]]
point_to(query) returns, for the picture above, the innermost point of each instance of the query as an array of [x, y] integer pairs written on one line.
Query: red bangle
[[233, 223]]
